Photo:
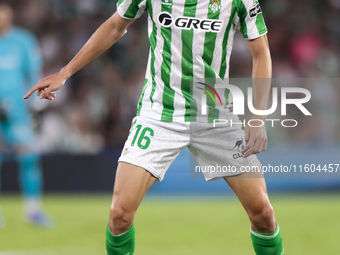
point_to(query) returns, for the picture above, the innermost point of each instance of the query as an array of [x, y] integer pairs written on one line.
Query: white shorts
[[154, 145]]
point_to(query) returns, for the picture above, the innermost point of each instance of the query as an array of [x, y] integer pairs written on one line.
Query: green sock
[[267, 244], [123, 244]]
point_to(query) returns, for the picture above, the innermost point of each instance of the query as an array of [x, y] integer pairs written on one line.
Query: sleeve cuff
[[122, 13], [254, 36]]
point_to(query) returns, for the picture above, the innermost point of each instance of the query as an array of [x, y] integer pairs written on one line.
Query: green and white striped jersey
[[189, 39]]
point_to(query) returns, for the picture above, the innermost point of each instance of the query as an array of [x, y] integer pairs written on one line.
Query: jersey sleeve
[[249, 19], [131, 9]]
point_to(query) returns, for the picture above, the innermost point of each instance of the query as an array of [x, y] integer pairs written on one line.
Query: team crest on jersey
[[215, 6]]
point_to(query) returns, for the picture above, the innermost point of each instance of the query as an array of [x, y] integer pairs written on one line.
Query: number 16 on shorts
[[142, 137]]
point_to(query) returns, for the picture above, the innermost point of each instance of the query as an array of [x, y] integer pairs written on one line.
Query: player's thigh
[[251, 190], [131, 184], [150, 149]]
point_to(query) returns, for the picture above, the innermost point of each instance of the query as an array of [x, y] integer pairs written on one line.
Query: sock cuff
[[266, 235], [121, 239]]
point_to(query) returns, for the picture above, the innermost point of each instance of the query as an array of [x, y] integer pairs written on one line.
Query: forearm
[[262, 74], [256, 136], [101, 40], [106, 35]]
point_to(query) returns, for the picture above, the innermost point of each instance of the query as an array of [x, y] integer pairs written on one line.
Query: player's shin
[[123, 244], [267, 244], [31, 181]]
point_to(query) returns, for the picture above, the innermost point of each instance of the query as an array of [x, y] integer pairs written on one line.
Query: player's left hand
[[256, 139]]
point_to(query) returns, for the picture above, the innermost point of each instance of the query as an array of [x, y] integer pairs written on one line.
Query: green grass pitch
[[172, 226]]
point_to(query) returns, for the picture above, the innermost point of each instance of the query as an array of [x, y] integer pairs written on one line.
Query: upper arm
[[259, 47], [249, 19], [119, 23]]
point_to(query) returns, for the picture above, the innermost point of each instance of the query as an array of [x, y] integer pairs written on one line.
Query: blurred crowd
[[93, 112]]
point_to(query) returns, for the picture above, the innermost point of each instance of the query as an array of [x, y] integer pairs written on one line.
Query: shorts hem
[[136, 163], [227, 175], [222, 177]]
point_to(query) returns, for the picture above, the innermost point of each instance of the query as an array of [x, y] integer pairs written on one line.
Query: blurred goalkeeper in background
[[20, 66]]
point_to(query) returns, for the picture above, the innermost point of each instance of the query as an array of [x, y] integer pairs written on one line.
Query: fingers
[[265, 145], [31, 91], [249, 143], [41, 85], [248, 146], [45, 93], [255, 145], [251, 149], [51, 96], [247, 134], [40, 91]]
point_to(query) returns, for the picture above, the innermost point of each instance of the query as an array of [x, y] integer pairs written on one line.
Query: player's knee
[[120, 220], [262, 217]]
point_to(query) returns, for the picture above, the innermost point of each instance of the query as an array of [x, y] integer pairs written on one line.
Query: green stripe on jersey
[[226, 95], [242, 13], [139, 107], [260, 25], [209, 73], [168, 92], [187, 64], [132, 10]]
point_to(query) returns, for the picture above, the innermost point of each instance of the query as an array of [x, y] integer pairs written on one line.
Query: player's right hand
[[47, 86]]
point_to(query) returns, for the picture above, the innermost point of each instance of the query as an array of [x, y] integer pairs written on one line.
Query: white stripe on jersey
[[217, 57], [157, 106], [146, 104], [176, 64], [198, 49]]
